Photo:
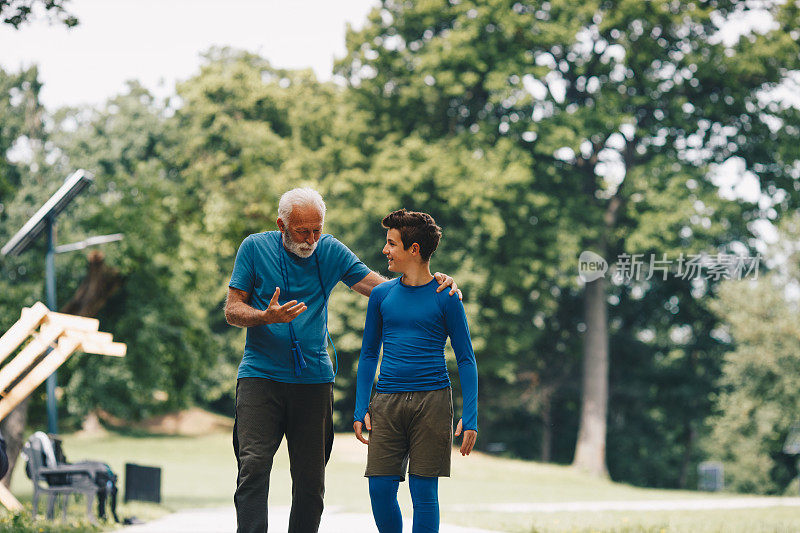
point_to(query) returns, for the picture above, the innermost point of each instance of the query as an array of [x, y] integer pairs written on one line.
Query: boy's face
[[399, 258]]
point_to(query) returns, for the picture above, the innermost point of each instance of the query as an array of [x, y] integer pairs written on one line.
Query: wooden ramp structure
[[49, 339]]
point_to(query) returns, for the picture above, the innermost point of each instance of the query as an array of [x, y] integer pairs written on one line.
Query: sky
[[159, 42]]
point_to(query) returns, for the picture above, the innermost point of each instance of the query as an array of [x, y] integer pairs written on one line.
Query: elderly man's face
[[302, 231]]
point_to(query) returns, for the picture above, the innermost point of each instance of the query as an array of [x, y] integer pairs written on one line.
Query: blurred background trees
[[531, 131], [623, 108]]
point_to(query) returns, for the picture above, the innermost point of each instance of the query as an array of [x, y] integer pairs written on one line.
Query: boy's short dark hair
[[415, 227]]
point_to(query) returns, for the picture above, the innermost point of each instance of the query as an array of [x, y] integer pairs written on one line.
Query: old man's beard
[[300, 249]]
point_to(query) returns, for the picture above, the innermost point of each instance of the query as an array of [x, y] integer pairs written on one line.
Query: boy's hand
[[470, 436], [446, 281], [357, 428]]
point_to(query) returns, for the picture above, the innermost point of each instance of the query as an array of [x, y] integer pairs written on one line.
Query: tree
[[18, 12], [624, 107], [21, 139], [760, 399], [170, 350]]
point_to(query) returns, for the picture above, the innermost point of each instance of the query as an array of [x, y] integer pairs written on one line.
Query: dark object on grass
[[142, 483], [104, 478], [47, 466], [792, 444], [710, 476], [3, 458]]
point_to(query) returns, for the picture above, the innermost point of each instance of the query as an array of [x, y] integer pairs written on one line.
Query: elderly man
[[279, 291]]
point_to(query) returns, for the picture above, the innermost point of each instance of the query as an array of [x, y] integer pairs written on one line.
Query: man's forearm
[[241, 315]]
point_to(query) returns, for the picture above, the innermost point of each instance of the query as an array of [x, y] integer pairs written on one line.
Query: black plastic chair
[[54, 479]]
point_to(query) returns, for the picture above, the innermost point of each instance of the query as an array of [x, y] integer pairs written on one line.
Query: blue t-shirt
[[413, 323], [257, 271]]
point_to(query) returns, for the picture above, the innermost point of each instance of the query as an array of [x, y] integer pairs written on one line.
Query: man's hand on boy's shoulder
[[358, 428], [446, 281], [470, 436]]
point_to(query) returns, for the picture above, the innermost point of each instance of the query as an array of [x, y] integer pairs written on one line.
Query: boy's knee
[[383, 486], [424, 490]]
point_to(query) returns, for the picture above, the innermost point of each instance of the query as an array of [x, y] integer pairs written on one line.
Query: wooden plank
[[113, 349], [98, 342], [35, 348], [8, 499], [93, 337], [74, 322], [30, 318], [35, 377]]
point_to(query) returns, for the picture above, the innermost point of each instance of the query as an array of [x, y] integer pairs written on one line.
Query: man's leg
[[257, 433], [309, 436]]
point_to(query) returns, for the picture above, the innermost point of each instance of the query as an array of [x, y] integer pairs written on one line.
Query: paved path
[[695, 504], [223, 520]]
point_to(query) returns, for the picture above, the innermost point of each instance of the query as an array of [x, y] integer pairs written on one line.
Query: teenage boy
[[410, 419]]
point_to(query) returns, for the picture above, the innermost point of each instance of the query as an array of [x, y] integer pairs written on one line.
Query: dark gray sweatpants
[[267, 410]]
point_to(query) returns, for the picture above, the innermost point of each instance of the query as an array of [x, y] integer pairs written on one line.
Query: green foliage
[[136, 193], [23, 522], [22, 181], [621, 110], [760, 396], [18, 12], [530, 130]]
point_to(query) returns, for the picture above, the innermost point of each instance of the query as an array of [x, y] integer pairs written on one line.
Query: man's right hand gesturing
[[287, 312]]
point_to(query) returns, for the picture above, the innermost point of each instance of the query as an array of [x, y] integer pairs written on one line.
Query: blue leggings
[[424, 495]]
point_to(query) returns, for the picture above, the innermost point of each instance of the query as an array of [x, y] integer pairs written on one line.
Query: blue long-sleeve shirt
[[413, 323]]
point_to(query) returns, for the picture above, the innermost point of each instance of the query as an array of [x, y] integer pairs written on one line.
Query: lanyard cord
[[285, 276], [292, 336], [325, 308]]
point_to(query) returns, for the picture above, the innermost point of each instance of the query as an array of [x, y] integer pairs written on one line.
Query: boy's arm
[[368, 360], [458, 330]]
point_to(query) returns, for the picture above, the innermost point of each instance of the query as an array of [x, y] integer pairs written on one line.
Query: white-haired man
[[285, 379]]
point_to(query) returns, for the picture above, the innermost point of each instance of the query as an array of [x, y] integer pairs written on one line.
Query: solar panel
[[73, 185]]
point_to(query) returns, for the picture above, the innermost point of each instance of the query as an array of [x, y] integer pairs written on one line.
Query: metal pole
[[50, 286]]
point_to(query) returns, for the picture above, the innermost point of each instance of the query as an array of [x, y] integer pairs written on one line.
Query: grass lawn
[[201, 472], [770, 520]]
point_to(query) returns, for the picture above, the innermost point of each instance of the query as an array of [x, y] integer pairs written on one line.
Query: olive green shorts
[[411, 431]]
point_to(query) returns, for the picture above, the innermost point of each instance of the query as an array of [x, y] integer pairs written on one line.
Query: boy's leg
[[387, 457], [257, 433], [425, 497], [385, 509], [430, 433], [431, 441], [387, 453], [309, 436]]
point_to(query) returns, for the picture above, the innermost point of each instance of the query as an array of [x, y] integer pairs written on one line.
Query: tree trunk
[[547, 430], [13, 428], [100, 283], [691, 437], [590, 450]]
